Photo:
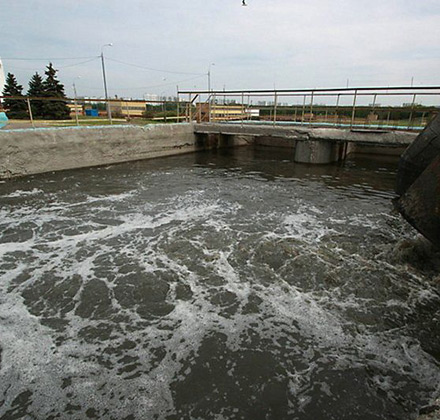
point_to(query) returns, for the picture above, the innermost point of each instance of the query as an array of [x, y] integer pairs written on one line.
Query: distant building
[[75, 108], [128, 108], [225, 112]]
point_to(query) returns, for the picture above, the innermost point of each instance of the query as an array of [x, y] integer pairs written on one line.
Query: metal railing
[[401, 108], [124, 111], [353, 107]]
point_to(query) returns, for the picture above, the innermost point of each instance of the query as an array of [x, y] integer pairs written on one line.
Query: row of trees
[[50, 87]]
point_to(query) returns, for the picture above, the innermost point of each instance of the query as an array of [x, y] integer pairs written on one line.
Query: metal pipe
[[275, 108]]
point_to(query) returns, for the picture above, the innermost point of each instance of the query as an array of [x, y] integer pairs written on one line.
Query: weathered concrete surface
[[418, 183], [319, 151], [24, 152], [418, 156], [420, 205], [315, 145], [215, 140], [377, 137]]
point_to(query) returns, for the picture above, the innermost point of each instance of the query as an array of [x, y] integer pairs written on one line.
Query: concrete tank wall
[[25, 152]]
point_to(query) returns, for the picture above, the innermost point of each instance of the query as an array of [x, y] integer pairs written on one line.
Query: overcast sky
[[281, 43]]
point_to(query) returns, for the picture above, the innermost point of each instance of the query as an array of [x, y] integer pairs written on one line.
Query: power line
[[78, 64], [152, 69], [59, 67], [91, 58], [48, 59], [146, 87]]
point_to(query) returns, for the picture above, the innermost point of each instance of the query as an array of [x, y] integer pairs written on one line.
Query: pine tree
[[55, 110], [15, 108], [36, 89]]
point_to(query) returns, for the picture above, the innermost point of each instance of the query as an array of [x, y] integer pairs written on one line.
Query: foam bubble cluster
[[171, 290]]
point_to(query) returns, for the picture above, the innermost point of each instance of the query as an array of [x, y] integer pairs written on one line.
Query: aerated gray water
[[222, 285]]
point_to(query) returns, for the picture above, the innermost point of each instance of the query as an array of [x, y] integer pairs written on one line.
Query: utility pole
[[74, 99], [209, 91], [109, 112]]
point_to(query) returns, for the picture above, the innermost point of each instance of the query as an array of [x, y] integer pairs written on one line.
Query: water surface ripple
[[222, 285]]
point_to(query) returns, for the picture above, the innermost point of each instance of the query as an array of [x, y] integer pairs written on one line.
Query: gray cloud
[[283, 42]]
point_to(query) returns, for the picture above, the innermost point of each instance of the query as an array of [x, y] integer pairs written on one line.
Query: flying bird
[[243, 3]]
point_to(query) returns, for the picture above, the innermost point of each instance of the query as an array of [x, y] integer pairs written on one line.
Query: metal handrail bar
[[54, 98], [281, 91], [336, 94]]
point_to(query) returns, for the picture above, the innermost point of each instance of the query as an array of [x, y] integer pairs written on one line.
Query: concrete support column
[[318, 151]]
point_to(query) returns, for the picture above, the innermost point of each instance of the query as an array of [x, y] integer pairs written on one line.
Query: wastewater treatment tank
[[232, 284]]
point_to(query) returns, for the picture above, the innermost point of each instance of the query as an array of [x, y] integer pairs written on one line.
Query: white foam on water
[[154, 240], [23, 193]]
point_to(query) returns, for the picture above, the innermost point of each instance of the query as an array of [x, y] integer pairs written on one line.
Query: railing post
[[311, 108], [412, 111], [127, 110], [374, 104], [177, 106], [275, 108], [353, 114], [189, 108], [30, 112], [304, 110], [213, 107], [242, 107], [337, 109], [76, 110]]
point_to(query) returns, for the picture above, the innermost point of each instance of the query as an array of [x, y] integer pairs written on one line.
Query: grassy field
[[83, 121]]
